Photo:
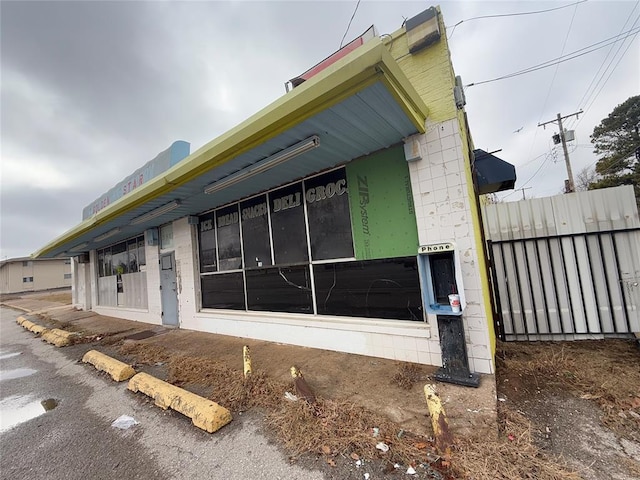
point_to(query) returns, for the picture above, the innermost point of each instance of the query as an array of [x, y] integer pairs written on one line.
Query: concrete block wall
[[80, 285], [76, 284], [187, 272], [443, 214], [152, 256], [405, 341]]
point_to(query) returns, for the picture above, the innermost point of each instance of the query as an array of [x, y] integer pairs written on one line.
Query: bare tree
[[586, 177]]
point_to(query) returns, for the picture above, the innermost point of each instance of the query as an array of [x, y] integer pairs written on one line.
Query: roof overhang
[[360, 104]]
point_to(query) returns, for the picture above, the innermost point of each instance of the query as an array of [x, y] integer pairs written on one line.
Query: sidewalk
[[365, 381]]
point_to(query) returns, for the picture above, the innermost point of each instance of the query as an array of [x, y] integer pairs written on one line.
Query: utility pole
[[559, 119], [523, 189]]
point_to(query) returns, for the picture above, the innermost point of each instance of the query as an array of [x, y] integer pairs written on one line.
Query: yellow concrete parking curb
[[28, 325], [205, 414], [118, 370], [57, 337], [38, 329], [33, 327]]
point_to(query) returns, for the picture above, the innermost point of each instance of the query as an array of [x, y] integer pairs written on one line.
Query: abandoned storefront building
[[343, 216]]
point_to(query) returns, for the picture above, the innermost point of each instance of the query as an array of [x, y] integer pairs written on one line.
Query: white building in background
[[25, 274]]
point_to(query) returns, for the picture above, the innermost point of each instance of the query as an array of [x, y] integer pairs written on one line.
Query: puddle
[[4, 355], [49, 404], [16, 373], [18, 409]]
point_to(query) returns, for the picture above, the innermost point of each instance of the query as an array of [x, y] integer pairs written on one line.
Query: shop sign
[[165, 160], [436, 248]]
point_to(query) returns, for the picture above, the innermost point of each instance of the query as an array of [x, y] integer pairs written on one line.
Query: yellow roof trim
[[356, 71]]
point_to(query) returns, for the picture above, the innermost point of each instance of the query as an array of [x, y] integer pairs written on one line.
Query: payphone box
[[441, 278]]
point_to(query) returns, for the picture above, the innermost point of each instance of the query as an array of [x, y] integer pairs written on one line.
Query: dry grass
[[53, 323], [339, 428], [510, 456], [597, 370], [328, 427], [334, 428], [407, 376], [145, 354], [64, 298]]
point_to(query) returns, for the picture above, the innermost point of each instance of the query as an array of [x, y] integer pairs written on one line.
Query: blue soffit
[[363, 123]]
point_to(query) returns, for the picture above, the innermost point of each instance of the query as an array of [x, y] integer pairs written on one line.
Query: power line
[[534, 159], [564, 58], [348, 26], [587, 96], [555, 73], [548, 156], [611, 72], [517, 14]]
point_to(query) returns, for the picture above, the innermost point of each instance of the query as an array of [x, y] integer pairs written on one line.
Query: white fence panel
[[566, 267]]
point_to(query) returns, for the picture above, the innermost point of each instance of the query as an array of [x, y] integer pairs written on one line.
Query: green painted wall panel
[[381, 203]]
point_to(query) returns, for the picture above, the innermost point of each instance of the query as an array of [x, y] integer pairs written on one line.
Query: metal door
[[169, 290]]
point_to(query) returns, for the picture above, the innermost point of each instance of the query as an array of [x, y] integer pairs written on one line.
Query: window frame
[[309, 263], [104, 253]]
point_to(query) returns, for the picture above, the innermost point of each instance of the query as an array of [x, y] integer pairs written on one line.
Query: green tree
[[617, 143]]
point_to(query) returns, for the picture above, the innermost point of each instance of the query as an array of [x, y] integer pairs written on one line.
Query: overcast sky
[[92, 90]]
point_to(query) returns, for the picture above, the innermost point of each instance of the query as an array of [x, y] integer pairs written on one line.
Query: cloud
[[93, 90]]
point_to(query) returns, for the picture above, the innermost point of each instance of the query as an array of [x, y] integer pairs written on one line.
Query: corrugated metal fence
[[566, 267]]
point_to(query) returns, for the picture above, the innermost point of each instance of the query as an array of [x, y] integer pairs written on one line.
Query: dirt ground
[[582, 400], [569, 410]]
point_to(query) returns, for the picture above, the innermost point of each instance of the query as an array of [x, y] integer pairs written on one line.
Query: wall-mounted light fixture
[[110, 233], [79, 247], [167, 207], [265, 164]]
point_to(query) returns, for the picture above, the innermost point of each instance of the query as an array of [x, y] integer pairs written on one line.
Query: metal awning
[[492, 173], [360, 104]]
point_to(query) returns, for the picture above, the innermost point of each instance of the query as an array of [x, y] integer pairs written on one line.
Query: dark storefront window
[[208, 261], [280, 289], [223, 291], [266, 238], [388, 288], [287, 225], [228, 228], [255, 232], [329, 218]]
